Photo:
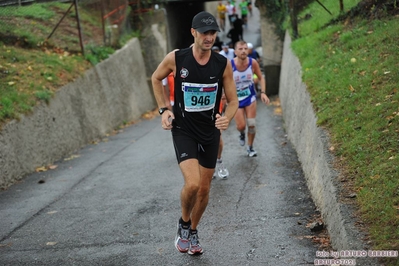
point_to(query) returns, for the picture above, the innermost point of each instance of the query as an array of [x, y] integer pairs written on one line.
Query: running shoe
[[251, 152], [242, 139], [222, 171], [182, 240], [195, 246]]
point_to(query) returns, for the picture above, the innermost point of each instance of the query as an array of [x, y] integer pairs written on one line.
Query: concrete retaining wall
[[106, 96], [311, 144]]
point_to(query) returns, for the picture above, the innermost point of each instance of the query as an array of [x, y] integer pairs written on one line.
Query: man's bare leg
[[191, 173], [250, 112], [202, 197]]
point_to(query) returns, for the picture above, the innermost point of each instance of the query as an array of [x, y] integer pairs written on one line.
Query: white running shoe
[[222, 171], [251, 152]]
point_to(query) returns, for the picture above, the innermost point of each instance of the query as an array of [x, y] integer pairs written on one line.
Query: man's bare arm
[[230, 92], [164, 68], [262, 80]]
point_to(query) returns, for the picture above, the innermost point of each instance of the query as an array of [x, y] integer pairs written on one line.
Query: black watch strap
[[162, 110]]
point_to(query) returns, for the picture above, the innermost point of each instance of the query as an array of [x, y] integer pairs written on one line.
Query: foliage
[[96, 54], [276, 11]]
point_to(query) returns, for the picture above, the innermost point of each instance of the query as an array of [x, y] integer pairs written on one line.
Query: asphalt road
[[117, 203]]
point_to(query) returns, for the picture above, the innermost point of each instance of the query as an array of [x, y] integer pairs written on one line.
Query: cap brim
[[208, 28]]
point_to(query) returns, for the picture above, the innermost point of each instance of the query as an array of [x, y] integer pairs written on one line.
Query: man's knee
[[251, 125]]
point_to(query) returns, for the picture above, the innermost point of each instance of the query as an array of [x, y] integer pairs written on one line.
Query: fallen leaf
[[307, 237], [351, 88], [160, 251], [11, 83], [41, 169], [278, 111], [52, 167], [71, 157]]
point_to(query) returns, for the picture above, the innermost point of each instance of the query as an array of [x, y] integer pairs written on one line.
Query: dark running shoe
[[242, 139], [195, 246], [182, 240]]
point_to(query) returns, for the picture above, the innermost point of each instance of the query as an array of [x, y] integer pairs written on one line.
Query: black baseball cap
[[204, 21]]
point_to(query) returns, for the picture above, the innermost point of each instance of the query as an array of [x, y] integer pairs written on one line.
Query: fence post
[[79, 28], [102, 20]]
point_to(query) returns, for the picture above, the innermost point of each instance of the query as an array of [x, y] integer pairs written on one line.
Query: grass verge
[[351, 68], [33, 67]]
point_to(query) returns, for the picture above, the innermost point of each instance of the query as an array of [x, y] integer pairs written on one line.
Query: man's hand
[[264, 98], [167, 118], [222, 123]]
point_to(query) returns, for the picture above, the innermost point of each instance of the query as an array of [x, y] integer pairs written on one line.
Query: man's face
[[241, 51], [205, 40]]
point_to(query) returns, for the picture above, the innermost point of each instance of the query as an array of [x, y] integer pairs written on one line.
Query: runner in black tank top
[[200, 75], [198, 90]]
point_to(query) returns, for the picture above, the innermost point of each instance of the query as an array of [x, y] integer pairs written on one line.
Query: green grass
[[29, 76], [352, 73], [32, 68], [34, 11]]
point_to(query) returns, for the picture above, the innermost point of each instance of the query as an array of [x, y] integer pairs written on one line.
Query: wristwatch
[[162, 110]]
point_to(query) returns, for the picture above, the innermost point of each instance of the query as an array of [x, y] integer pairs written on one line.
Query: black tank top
[[198, 90]]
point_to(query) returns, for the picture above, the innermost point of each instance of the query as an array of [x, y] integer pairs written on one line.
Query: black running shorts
[[187, 147]]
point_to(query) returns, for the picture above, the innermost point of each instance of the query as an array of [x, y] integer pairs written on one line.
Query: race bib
[[243, 93], [199, 97]]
